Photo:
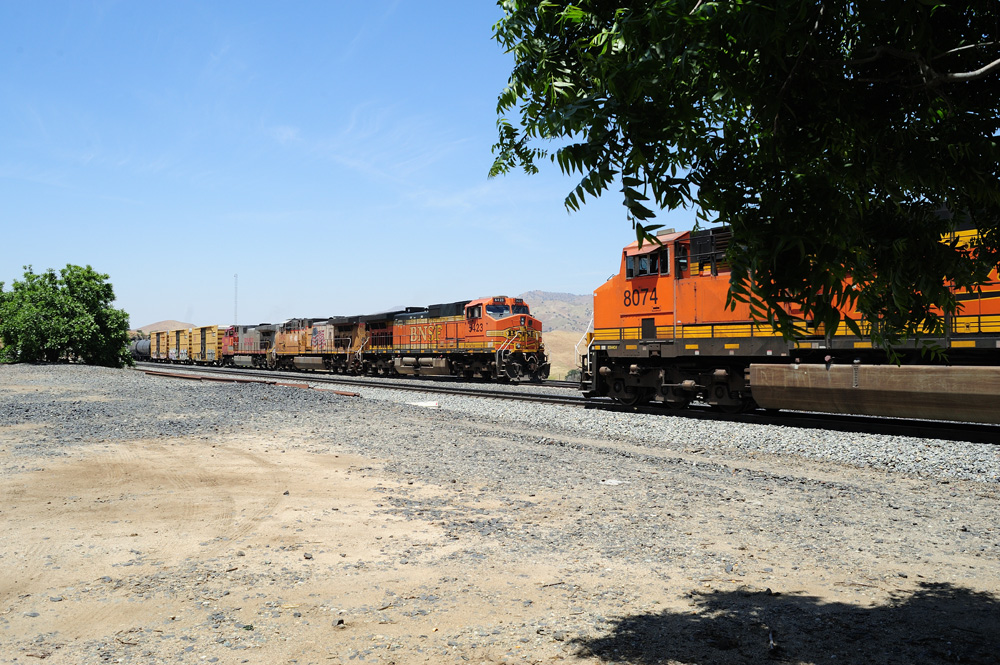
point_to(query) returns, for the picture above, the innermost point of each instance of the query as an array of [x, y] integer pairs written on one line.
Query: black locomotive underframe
[[716, 370]]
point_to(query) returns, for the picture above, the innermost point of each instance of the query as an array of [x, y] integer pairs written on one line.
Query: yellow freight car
[[206, 345], [179, 345], [159, 345]]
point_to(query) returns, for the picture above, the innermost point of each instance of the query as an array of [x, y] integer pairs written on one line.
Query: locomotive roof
[[382, 316], [456, 308], [650, 247]]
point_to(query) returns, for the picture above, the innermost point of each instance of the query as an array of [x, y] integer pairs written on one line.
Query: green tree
[[838, 140], [48, 317]]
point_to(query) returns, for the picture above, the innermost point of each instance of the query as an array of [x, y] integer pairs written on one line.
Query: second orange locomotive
[[493, 338]]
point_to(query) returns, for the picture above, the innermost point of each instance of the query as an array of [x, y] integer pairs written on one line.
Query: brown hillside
[[559, 345], [565, 318], [560, 311]]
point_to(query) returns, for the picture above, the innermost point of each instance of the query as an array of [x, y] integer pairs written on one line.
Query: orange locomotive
[[494, 338], [662, 332]]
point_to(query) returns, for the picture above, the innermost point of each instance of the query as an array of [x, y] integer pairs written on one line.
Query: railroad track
[[947, 431], [411, 385]]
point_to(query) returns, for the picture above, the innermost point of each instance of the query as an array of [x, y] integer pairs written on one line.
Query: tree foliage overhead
[[69, 315], [838, 140]]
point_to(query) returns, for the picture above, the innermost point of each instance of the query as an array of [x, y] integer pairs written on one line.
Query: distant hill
[[560, 311], [165, 325], [565, 318]]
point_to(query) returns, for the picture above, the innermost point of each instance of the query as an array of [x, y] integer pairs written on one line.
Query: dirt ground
[[264, 549]]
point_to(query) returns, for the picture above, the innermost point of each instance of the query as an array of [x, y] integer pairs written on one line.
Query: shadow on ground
[[939, 623]]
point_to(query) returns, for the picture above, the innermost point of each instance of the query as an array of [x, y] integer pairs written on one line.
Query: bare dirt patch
[[458, 543]]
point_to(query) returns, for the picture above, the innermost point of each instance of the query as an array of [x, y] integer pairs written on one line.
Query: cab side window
[[665, 261], [638, 266], [474, 312], [682, 260]]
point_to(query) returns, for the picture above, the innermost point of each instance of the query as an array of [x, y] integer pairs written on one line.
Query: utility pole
[[236, 298]]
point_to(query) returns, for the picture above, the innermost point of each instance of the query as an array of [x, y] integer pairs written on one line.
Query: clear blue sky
[[333, 154]]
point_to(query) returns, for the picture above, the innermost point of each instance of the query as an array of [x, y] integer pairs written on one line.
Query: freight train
[[663, 333], [493, 338]]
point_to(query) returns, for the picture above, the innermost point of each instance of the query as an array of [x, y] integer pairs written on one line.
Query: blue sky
[[332, 154]]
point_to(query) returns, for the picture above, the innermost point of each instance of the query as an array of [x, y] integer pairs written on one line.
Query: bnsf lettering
[[425, 334]]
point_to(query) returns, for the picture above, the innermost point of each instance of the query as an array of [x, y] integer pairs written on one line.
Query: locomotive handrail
[[576, 348]]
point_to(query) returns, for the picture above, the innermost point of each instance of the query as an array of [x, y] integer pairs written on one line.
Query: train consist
[[491, 338], [662, 333]]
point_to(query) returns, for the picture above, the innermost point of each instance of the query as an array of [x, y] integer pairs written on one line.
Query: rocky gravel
[[148, 519]]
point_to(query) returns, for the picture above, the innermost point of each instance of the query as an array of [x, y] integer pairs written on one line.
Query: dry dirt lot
[[279, 540]]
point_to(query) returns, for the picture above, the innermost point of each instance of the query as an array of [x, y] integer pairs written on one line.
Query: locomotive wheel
[[633, 396], [678, 400]]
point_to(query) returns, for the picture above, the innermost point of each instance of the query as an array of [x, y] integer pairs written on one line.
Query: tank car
[[662, 333], [139, 349]]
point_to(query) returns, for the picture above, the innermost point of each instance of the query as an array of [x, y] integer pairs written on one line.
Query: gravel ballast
[[149, 519]]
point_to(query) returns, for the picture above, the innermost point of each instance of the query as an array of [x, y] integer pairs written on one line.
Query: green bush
[[65, 316]]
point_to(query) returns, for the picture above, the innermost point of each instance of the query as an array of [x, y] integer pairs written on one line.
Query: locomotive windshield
[[500, 311]]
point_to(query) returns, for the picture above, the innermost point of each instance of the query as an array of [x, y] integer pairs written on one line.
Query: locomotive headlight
[[518, 345]]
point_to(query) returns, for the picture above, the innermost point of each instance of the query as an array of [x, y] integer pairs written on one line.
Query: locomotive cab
[[504, 327], [658, 325]]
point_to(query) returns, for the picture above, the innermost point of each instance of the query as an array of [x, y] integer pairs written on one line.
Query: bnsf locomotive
[[662, 332], [493, 338]]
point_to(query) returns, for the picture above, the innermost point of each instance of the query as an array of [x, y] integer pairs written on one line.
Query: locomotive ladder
[[361, 348], [502, 352]]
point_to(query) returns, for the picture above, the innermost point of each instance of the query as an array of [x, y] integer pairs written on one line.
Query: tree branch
[[970, 76], [962, 48], [931, 76]]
